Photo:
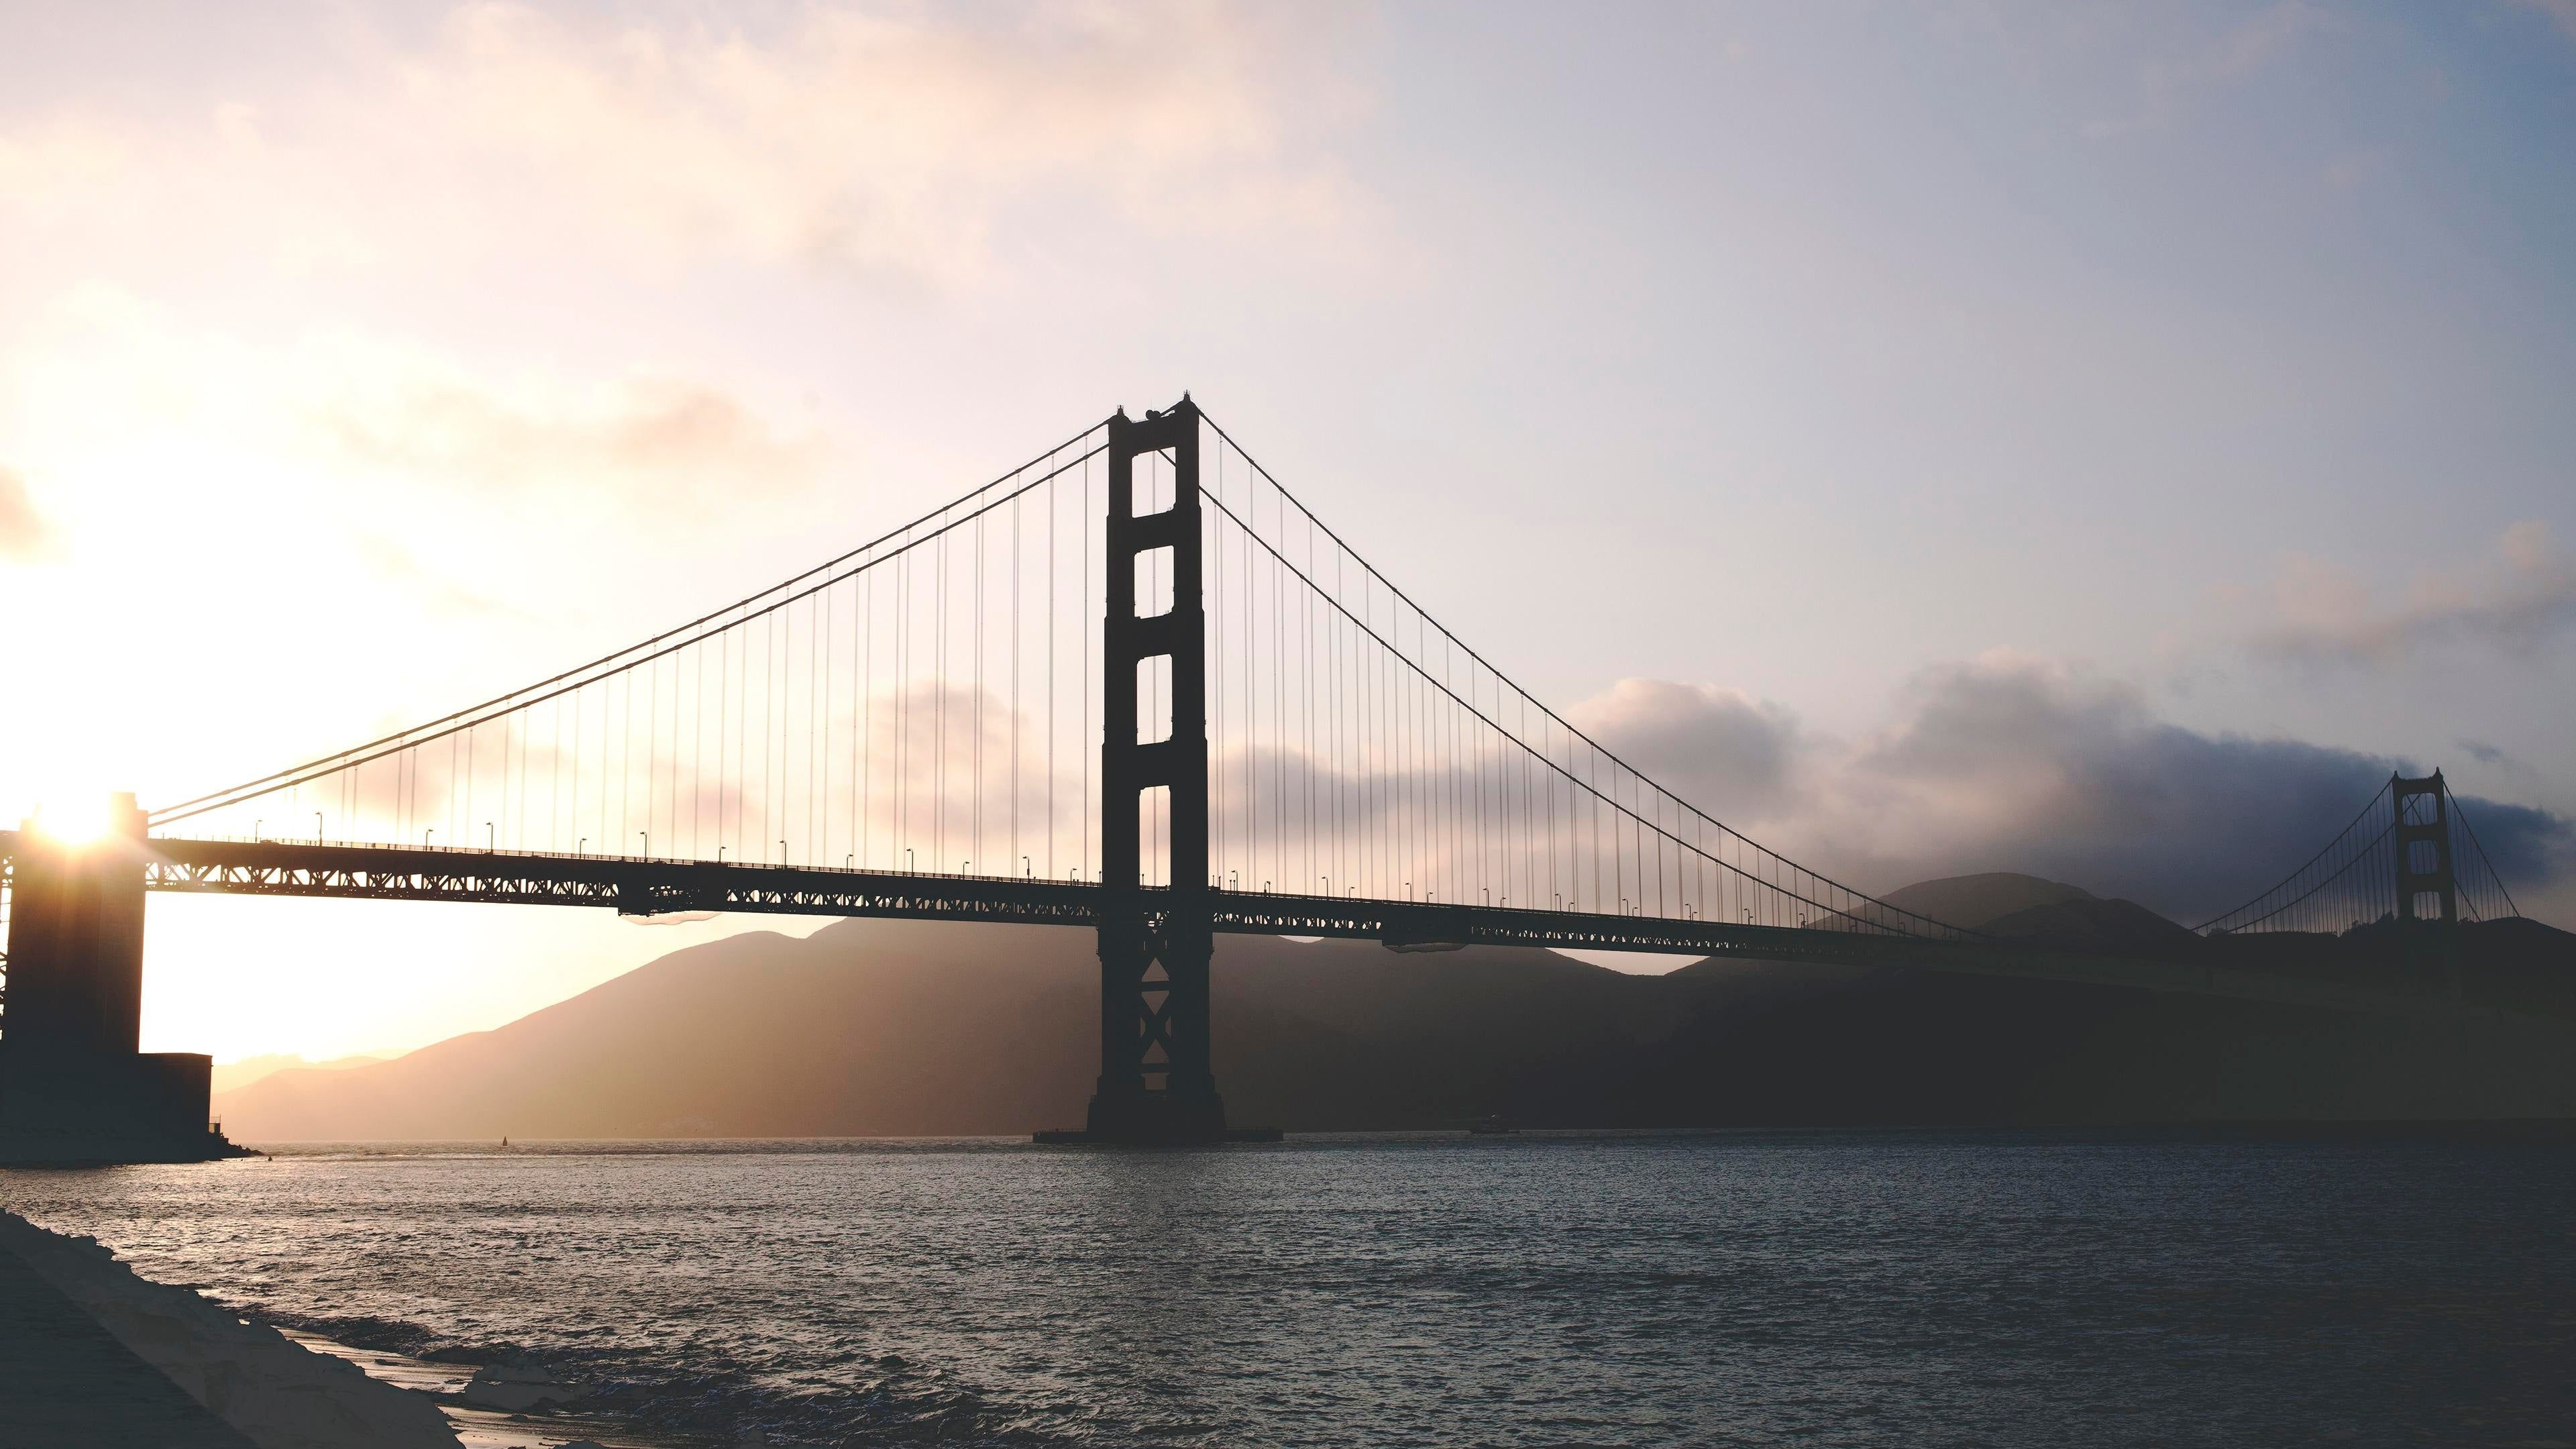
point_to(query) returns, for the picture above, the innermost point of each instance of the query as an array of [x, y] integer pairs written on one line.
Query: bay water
[[1719, 1288]]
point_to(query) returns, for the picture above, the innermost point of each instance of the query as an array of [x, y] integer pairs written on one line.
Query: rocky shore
[[95, 1355]]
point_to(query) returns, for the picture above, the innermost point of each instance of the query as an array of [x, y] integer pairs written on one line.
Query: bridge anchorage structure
[[1134, 686]]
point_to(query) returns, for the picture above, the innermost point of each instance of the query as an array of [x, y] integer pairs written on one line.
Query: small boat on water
[[1493, 1124]]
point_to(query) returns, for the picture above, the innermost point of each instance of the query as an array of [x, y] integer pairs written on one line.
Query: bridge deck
[[635, 885]]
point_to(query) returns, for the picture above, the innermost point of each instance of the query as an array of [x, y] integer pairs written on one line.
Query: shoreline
[[96, 1353], [257, 1385], [65, 1380], [492, 1428]]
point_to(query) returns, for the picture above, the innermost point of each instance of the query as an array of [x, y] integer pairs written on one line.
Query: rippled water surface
[[1725, 1289]]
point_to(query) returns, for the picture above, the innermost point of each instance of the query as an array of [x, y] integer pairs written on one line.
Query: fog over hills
[[902, 1028]]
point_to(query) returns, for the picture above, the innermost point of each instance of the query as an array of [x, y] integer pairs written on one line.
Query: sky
[[2095, 440]]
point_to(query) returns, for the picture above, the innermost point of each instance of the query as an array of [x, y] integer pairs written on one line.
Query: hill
[[1973, 901], [231, 1075], [894, 1028], [2043, 912]]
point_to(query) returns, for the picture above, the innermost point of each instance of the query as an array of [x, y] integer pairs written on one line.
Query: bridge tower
[[2423, 836], [73, 1085], [1155, 942], [76, 942], [2427, 891]]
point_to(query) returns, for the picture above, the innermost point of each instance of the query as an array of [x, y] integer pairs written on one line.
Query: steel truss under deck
[[634, 885], [639, 886]]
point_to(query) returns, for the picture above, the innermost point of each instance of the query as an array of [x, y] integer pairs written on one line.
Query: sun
[[74, 820]]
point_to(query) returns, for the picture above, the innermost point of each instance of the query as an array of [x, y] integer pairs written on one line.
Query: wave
[[829, 1397]]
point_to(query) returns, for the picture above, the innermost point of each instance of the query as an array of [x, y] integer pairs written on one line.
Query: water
[[1699, 1289]]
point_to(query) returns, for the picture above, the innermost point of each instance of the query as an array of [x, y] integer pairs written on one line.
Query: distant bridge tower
[[2424, 875], [2427, 890], [1155, 944]]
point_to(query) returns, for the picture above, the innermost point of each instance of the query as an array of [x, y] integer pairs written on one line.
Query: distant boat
[[1492, 1125]]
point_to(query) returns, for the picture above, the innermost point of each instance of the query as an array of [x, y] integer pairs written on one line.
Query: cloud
[[891, 141], [2517, 601], [886, 138], [358, 412], [2013, 763], [2529, 847], [24, 533], [2562, 11], [2016, 764], [655, 441], [1729, 755]]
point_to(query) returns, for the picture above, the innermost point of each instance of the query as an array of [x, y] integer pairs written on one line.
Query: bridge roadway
[[639, 885]]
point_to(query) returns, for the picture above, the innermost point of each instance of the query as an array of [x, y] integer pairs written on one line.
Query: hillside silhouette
[[2047, 912], [231, 1075], [898, 1028]]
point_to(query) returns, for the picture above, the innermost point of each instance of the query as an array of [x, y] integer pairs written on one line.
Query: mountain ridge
[[918, 1028]]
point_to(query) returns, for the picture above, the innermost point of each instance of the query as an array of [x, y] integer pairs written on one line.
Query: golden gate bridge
[[1133, 685]]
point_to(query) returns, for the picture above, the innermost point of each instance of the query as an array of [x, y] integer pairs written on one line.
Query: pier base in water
[[74, 1085], [1082, 1137], [1157, 1119]]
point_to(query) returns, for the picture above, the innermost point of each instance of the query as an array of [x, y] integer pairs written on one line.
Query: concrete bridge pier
[[74, 1084]]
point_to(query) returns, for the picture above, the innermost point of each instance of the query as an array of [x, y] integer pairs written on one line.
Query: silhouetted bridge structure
[[1132, 686]]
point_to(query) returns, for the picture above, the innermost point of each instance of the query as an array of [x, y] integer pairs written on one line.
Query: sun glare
[[74, 822]]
